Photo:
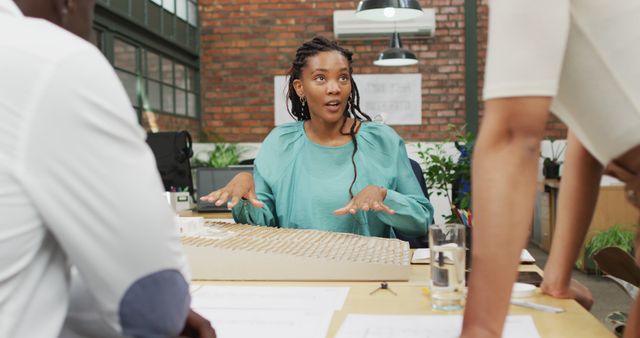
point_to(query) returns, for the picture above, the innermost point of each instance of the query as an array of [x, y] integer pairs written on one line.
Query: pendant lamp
[[389, 10], [395, 55]]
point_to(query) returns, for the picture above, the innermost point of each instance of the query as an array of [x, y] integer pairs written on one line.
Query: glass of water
[[447, 246]]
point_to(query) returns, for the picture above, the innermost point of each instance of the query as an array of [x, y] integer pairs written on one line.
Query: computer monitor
[[212, 179]]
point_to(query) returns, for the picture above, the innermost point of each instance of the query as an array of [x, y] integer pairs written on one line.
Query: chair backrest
[[618, 263], [420, 241], [417, 170], [172, 151]]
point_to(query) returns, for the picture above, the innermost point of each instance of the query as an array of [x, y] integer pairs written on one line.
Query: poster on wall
[[395, 99]]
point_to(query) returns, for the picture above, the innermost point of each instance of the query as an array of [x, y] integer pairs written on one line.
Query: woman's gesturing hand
[[241, 186], [370, 198]]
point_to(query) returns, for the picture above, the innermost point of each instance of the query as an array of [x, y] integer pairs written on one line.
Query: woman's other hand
[[370, 198], [241, 186]]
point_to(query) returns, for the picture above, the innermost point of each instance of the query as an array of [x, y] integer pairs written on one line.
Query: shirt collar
[[8, 7]]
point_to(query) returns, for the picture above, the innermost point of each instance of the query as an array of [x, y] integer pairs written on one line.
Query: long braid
[[354, 109]]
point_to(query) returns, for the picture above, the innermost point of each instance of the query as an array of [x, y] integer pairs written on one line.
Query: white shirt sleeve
[[527, 40], [92, 177]]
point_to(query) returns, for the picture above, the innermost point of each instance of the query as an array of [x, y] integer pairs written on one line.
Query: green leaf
[[618, 235], [443, 169], [222, 155]]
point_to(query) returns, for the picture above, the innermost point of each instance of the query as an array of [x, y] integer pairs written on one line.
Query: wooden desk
[[214, 215], [575, 322]]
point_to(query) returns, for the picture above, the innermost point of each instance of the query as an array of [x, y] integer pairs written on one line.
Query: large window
[[170, 85], [187, 10], [174, 20], [126, 65], [153, 47], [155, 82]]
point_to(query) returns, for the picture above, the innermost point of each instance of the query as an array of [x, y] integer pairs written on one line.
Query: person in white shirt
[[79, 187], [578, 59]]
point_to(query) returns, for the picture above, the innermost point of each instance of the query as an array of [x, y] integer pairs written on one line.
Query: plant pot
[[551, 170], [586, 264], [590, 266]]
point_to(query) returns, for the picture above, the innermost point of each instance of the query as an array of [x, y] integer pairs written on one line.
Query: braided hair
[[300, 112]]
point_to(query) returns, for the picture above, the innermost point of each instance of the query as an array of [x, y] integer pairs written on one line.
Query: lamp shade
[[389, 10], [395, 55]]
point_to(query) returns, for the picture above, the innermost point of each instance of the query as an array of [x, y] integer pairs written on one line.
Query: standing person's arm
[[525, 52], [577, 199], [504, 172]]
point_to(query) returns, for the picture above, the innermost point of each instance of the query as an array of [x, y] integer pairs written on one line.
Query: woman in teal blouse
[[331, 170]]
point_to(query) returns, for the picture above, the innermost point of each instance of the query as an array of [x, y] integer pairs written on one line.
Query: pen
[[458, 213], [539, 307]]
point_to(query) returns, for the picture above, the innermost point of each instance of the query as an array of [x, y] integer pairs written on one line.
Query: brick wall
[[245, 43]]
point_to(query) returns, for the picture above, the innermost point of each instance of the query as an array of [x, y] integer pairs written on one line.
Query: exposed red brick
[[244, 43]]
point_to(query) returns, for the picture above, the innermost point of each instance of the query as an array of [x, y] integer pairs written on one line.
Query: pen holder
[[467, 252], [179, 201]]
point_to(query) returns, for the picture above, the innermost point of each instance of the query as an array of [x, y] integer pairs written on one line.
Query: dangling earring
[[303, 101], [63, 17]]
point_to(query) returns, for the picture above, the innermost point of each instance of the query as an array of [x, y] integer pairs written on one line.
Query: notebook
[[212, 179]]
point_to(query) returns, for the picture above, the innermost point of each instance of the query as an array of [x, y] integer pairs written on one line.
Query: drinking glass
[[447, 246]]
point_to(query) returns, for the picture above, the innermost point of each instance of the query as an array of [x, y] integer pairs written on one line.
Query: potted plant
[[444, 170], [551, 164], [219, 158], [448, 173], [618, 235], [222, 155]]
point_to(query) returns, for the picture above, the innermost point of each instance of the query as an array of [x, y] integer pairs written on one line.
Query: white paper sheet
[[270, 297], [383, 326], [422, 256], [268, 311], [243, 323]]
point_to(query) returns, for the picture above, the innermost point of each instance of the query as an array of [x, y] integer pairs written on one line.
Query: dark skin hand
[[370, 198], [240, 186], [197, 326]]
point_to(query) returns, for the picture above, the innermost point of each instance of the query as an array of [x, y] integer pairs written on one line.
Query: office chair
[[622, 268], [420, 241]]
